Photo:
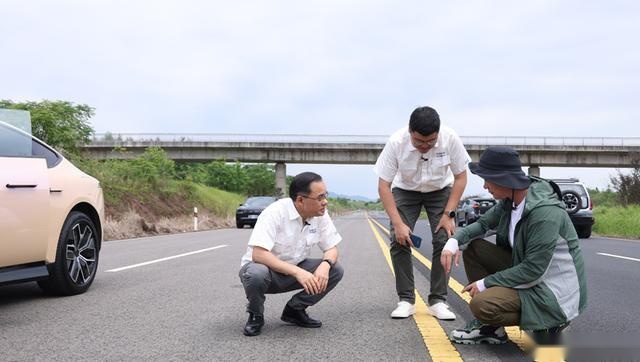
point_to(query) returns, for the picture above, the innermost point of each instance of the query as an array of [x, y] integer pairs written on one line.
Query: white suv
[[579, 205], [50, 216]]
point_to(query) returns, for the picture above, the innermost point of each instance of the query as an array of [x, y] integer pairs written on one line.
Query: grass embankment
[[168, 209], [617, 221], [143, 196]]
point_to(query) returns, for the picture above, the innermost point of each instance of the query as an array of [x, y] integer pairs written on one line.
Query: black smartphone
[[416, 240]]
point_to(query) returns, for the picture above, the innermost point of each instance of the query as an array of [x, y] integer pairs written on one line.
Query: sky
[[490, 68]]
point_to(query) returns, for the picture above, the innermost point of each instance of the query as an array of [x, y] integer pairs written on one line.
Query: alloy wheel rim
[[571, 201], [81, 253]]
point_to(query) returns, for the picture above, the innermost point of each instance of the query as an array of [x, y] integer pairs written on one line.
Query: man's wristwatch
[[451, 213], [331, 263]]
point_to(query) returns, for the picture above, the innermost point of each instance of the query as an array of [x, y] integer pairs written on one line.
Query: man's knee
[[336, 273], [471, 251], [255, 276], [440, 238], [483, 308], [397, 249]]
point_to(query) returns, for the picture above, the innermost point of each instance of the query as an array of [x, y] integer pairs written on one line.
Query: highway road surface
[[178, 297]]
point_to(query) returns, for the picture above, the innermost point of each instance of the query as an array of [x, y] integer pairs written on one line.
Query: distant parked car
[[578, 204], [50, 216], [470, 210], [247, 213]]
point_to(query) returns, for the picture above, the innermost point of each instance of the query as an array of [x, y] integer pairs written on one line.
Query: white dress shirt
[[279, 229], [516, 215], [405, 167]]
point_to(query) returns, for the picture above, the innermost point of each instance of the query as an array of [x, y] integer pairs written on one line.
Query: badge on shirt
[[313, 231]]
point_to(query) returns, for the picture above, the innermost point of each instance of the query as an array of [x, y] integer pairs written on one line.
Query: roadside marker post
[[195, 219]]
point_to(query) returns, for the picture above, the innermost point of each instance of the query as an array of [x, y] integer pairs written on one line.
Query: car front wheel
[[76, 257]]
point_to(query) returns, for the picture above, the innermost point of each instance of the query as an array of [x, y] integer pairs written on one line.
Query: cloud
[[498, 68]]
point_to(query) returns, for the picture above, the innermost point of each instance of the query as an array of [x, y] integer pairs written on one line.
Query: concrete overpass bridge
[[535, 152]]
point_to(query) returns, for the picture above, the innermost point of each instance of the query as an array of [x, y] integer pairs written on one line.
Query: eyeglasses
[[418, 143], [320, 197]]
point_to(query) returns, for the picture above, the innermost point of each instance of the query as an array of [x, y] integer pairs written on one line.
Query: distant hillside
[[351, 197]]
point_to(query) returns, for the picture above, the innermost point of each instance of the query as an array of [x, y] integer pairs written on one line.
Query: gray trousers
[[410, 204], [258, 280]]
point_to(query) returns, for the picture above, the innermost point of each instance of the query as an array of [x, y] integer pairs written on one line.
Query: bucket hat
[[501, 165]]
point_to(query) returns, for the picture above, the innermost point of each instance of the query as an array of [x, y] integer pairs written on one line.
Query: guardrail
[[115, 138]]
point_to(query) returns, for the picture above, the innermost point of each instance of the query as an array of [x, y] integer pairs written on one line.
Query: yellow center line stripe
[[521, 339], [435, 339]]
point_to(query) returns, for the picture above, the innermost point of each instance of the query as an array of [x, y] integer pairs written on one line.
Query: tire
[[572, 201], [584, 232], [77, 257], [239, 225]]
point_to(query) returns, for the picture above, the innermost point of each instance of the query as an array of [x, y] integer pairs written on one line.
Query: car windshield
[[259, 201]]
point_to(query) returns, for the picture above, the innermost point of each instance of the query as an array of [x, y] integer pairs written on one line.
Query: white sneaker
[[403, 310], [441, 311]]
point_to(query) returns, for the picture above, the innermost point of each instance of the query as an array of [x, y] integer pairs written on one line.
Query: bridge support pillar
[[281, 179], [534, 171]]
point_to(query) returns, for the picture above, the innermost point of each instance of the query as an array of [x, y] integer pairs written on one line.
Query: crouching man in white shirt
[[277, 260]]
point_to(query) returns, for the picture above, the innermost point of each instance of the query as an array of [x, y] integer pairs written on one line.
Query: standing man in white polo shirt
[[422, 165], [277, 260]]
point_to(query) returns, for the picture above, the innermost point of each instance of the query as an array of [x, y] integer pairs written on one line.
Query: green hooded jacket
[[547, 266]]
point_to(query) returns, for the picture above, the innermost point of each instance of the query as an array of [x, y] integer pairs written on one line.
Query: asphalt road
[[188, 304], [612, 281]]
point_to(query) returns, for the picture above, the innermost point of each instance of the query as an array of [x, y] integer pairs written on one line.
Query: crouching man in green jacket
[[530, 272]]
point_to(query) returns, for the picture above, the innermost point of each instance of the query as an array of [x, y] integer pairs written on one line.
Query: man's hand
[[446, 259], [472, 289], [308, 281], [450, 252], [322, 276], [403, 234], [447, 224]]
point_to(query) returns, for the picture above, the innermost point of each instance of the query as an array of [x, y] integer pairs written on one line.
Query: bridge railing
[[115, 138]]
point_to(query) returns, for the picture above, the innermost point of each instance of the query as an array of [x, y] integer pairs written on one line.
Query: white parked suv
[[50, 216], [579, 205]]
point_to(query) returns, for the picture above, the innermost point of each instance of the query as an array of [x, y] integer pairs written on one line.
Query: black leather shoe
[[254, 325], [299, 317]]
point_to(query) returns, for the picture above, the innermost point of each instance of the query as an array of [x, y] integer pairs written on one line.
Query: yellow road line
[[434, 337], [521, 339]]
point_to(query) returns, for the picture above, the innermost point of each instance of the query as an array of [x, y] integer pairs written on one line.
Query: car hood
[[250, 208]]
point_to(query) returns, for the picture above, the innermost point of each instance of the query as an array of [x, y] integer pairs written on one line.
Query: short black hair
[[301, 182], [424, 120]]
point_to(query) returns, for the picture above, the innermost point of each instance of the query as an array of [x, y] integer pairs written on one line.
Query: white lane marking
[[618, 256], [164, 259]]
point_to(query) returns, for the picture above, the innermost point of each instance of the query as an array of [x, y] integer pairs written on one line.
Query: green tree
[[60, 124], [261, 179], [226, 177], [604, 197], [628, 186], [194, 172], [153, 167]]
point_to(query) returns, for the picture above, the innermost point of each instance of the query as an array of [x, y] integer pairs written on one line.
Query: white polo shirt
[[405, 167], [279, 229]]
